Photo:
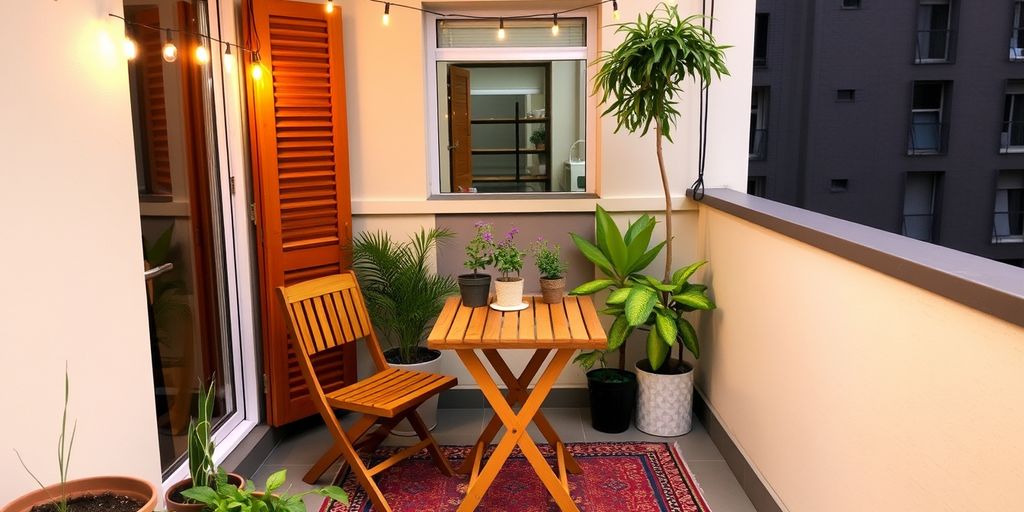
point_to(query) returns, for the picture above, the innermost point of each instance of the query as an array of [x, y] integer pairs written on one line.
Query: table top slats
[[571, 324]]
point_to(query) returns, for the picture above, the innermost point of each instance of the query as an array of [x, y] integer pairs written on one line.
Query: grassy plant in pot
[[641, 81], [201, 469], [404, 297], [102, 493], [552, 270], [475, 288], [508, 259]]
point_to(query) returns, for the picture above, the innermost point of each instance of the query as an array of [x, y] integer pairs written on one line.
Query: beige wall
[[71, 264], [850, 390]]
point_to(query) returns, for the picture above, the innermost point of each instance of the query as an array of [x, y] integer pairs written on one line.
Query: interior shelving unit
[[517, 121]]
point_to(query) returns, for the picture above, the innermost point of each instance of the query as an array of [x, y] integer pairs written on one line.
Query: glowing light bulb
[[202, 54], [169, 51], [131, 50], [228, 61], [385, 19], [554, 26], [615, 10], [501, 29], [257, 71], [329, 7]]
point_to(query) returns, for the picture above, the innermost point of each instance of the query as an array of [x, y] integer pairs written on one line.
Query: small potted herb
[[552, 270], [224, 497], [508, 259], [476, 287], [539, 138]]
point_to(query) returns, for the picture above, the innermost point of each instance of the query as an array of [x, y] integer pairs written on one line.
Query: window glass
[[572, 32]]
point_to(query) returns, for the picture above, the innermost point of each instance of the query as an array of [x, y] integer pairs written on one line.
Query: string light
[[329, 7], [169, 51], [501, 29], [385, 19], [228, 61], [130, 48], [554, 25], [615, 10], [257, 67], [202, 54]]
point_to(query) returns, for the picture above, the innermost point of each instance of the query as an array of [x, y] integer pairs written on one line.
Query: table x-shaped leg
[[516, 424]]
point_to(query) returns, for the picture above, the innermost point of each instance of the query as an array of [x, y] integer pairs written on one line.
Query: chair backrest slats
[[326, 312]]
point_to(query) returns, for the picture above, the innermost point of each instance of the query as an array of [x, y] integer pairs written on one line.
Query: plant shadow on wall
[[641, 81]]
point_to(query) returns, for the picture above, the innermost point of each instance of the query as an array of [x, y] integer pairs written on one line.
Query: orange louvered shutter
[[300, 156], [148, 69]]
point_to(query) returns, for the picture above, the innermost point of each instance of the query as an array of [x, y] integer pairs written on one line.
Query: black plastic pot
[[612, 399], [475, 289]]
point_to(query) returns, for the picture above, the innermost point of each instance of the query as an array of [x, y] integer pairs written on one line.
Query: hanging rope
[[705, 101]]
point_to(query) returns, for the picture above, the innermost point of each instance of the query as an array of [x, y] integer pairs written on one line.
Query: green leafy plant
[[200, 441], [480, 249], [402, 294], [539, 137], [549, 259], [225, 497], [63, 452], [508, 258]]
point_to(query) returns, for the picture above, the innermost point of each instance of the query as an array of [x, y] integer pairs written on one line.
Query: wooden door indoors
[[460, 129]]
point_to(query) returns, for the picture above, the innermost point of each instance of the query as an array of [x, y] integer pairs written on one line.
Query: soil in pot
[[612, 398], [669, 367], [105, 502], [420, 355], [475, 289]]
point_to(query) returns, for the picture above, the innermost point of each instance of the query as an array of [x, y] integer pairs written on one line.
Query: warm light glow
[[329, 7], [131, 50], [554, 26], [257, 71], [202, 54], [385, 19], [228, 61], [615, 10], [501, 29], [170, 52]]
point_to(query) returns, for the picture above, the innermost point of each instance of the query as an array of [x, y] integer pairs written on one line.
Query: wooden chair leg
[[435, 451], [380, 504]]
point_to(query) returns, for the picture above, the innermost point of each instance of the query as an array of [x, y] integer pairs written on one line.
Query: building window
[[846, 95], [512, 114], [935, 34], [761, 40], [1011, 138], [920, 197], [927, 127], [838, 185], [1008, 215], [851, 4], [758, 123], [756, 185], [1017, 35]]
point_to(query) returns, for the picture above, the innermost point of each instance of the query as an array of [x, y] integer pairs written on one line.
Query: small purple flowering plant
[[480, 249], [508, 258]]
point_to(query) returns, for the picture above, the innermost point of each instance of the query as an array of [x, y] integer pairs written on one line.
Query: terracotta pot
[[121, 485], [509, 293], [552, 290], [176, 506]]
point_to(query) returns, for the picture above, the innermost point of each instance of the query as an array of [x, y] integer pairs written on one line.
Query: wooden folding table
[[562, 328]]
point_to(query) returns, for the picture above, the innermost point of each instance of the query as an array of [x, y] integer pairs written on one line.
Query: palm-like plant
[[402, 294]]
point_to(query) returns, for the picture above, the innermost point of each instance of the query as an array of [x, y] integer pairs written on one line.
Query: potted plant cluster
[[201, 469], [539, 138], [225, 497], [109, 493], [640, 81], [552, 270], [475, 288], [404, 297], [508, 259]]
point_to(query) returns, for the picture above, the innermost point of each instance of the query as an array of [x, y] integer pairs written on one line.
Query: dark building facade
[[906, 116]]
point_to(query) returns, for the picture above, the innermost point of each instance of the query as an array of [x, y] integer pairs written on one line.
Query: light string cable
[[532, 16], [207, 37], [705, 102]]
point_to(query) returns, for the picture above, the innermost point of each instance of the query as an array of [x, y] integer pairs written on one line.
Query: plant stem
[[668, 204], [622, 357]]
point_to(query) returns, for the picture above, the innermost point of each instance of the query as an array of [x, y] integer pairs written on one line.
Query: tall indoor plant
[[404, 296], [640, 82]]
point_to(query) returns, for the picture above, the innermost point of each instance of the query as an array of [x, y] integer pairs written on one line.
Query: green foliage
[[63, 452], [549, 259], [508, 257], [480, 249], [402, 294], [200, 441], [643, 76], [539, 137], [225, 497]]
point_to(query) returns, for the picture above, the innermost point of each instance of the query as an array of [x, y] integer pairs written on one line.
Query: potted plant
[[539, 138], [404, 297], [201, 469], [508, 259], [552, 270], [112, 493], [620, 258], [225, 497], [641, 79], [475, 288]]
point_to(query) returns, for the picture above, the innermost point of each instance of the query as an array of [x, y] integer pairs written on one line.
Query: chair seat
[[389, 392]]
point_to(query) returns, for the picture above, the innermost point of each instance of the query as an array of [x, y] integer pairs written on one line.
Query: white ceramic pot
[[509, 293], [428, 409], [664, 403]]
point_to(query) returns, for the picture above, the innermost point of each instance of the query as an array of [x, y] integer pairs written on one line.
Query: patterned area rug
[[617, 477]]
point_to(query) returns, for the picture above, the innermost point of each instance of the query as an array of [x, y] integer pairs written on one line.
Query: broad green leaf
[[609, 239], [680, 276], [586, 360], [647, 258], [638, 237], [335, 493], [657, 350], [618, 333], [592, 287], [617, 297], [689, 335], [694, 298], [639, 305], [634, 229], [592, 253], [276, 480], [665, 323], [658, 285], [201, 494]]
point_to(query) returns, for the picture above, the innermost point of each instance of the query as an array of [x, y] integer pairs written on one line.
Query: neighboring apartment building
[[905, 116]]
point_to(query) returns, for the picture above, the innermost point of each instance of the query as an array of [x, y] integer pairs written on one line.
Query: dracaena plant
[[637, 300], [225, 497]]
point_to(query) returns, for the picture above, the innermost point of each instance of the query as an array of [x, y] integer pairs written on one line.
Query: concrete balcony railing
[[856, 369]]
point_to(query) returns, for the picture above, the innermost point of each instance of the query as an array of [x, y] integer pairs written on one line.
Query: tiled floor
[[463, 426]]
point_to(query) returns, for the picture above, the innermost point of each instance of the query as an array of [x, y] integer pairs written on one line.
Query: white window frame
[[1017, 33], [435, 54], [948, 36]]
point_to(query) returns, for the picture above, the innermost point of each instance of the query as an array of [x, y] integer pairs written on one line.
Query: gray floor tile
[[720, 487]]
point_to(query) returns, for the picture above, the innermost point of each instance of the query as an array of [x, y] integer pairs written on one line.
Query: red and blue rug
[[617, 477]]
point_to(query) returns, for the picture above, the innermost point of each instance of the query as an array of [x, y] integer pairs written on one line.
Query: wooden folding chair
[[325, 313]]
